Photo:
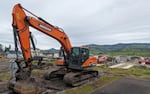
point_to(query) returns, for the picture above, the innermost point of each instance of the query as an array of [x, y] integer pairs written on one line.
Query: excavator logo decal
[[44, 27], [18, 16]]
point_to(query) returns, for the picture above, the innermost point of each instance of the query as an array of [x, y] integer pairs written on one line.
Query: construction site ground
[[108, 75]]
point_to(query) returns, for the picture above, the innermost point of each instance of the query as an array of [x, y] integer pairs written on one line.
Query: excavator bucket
[[26, 87]]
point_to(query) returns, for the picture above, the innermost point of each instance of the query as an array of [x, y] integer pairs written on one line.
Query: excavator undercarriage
[[71, 77]]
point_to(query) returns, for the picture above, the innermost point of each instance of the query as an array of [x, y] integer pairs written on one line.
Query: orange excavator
[[73, 68]]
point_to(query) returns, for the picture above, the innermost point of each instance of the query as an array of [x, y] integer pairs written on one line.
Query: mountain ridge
[[122, 48]]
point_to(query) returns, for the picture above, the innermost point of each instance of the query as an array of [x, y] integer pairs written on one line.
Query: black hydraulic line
[[32, 41], [15, 33], [65, 58], [45, 21], [15, 39], [29, 11]]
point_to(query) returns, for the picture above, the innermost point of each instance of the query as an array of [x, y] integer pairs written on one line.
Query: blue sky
[[84, 21]]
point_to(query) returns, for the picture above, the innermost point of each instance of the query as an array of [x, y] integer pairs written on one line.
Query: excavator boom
[[21, 23]]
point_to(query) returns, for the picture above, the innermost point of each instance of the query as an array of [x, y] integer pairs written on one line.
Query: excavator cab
[[78, 56], [78, 59]]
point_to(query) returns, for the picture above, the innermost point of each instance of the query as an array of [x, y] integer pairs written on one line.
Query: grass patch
[[5, 76], [88, 88], [5, 59], [131, 72], [37, 72]]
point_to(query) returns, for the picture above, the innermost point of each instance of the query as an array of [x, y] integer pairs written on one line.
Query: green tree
[[7, 49]]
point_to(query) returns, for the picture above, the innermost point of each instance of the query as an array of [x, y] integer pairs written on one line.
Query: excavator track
[[81, 77], [55, 73]]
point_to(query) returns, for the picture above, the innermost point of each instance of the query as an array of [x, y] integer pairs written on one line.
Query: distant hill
[[142, 49]]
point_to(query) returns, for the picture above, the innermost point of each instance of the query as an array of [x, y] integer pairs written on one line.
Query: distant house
[[122, 58], [51, 53], [36, 52], [12, 54]]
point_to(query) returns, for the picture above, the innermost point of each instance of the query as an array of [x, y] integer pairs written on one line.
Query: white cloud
[[85, 21]]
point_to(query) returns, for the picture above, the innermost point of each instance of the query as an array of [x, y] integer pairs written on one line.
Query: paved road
[[126, 86]]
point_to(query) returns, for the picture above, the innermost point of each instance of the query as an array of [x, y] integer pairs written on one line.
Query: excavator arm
[[21, 23]]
